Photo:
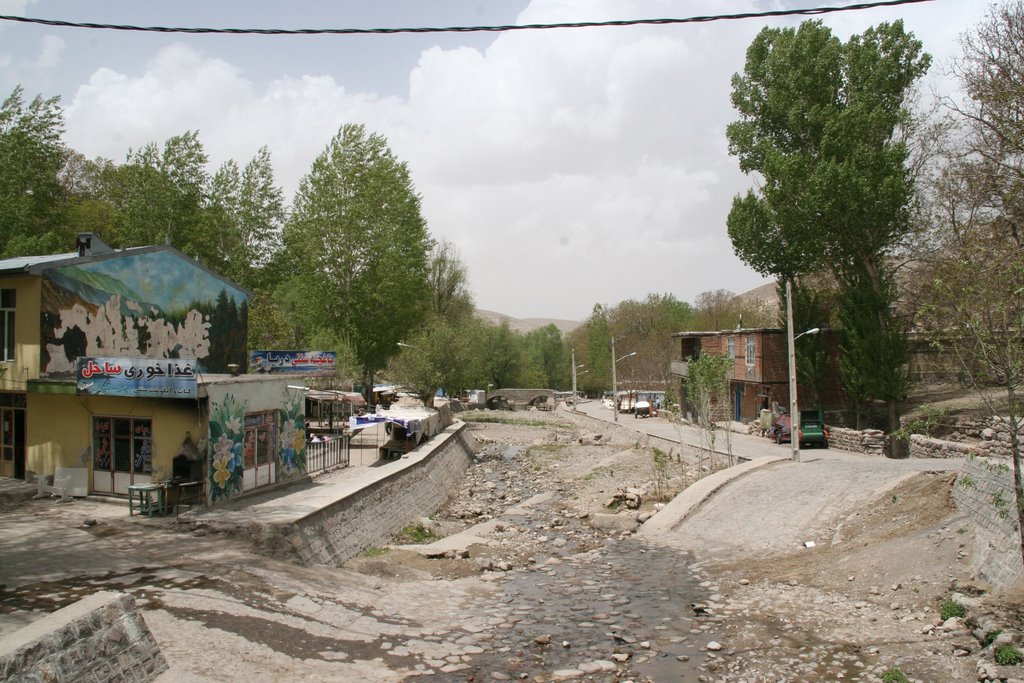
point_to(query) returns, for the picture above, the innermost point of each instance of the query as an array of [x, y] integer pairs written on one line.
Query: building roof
[[24, 263], [720, 333]]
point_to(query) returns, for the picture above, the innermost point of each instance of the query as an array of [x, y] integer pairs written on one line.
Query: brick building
[[760, 371]]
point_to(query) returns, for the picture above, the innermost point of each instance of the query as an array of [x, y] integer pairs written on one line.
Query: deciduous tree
[[32, 155], [358, 246], [819, 125]]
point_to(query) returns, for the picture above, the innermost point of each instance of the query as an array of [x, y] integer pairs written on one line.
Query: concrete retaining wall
[[984, 492], [101, 638], [413, 487]]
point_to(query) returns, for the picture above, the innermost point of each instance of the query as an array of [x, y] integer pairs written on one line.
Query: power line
[[811, 11]]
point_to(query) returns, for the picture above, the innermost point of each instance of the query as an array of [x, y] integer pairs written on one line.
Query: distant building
[[760, 372]]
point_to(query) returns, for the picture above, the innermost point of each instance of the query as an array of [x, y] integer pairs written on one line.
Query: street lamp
[[794, 417], [574, 369], [615, 387]]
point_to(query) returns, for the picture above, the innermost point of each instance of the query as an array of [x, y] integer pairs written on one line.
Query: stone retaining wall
[[867, 441], [413, 487], [926, 447], [99, 639], [984, 492]]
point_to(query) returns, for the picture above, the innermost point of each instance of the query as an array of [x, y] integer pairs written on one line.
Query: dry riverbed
[[552, 584]]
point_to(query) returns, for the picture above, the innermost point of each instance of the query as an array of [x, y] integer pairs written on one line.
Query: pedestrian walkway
[[744, 446]]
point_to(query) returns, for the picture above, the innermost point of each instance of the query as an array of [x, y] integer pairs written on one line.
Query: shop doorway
[[259, 450], [122, 450], [12, 442]]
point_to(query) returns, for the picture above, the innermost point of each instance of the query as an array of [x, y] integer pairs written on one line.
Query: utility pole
[[615, 392]]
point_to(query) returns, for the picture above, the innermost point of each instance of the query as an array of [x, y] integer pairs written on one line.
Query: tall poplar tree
[[820, 127], [31, 158], [358, 247]]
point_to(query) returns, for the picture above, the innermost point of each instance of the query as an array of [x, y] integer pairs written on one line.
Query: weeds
[[950, 609], [599, 472], [1008, 655], [894, 675], [991, 636], [374, 552], [417, 533]]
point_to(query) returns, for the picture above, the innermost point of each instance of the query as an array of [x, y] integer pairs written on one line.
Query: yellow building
[[125, 363]]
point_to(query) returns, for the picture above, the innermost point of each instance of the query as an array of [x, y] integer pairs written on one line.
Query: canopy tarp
[[336, 396]]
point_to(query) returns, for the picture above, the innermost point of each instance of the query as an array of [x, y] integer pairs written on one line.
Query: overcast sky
[[569, 167]]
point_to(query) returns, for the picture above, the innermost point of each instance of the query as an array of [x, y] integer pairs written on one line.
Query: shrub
[[1008, 655], [894, 675], [990, 637], [950, 609]]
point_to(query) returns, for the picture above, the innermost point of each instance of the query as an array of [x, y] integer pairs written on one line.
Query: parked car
[[812, 430], [642, 409]]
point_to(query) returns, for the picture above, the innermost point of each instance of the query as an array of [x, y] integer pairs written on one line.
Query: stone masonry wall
[[413, 487], [868, 441], [102, 638], [984, 492]]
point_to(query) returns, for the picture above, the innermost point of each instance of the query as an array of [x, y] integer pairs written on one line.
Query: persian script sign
[[165, 378], [292, 361]]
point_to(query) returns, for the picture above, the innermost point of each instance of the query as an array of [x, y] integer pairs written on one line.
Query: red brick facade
[[760, 374]]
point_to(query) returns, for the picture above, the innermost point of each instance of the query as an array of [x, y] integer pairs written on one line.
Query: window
[[122, 444], [751, 350], [731, 345], [6, 324]]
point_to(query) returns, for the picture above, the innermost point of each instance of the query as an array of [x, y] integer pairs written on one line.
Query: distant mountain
[[525, 325], [766, 294]]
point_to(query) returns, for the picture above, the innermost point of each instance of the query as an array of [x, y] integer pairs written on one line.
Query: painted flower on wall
[[288, 450], [225, 473], [293, 434]]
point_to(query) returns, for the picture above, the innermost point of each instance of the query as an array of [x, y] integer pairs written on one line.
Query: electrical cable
[[810, 11]]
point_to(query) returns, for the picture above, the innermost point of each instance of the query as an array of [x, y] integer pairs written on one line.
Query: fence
[[328, 453]]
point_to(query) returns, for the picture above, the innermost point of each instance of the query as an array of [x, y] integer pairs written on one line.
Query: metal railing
[[330, 453]]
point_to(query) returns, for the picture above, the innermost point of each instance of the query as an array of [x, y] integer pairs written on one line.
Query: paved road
[[769, 503]]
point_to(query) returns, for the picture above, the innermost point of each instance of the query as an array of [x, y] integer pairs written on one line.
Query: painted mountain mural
[[150, 304]]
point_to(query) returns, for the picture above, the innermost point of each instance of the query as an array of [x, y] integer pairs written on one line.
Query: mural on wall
[[293, 434], [228, 418], [226, 434], [154, 304]]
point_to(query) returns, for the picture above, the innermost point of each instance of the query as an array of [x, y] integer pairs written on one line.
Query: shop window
[[6, 324], [122, 444]]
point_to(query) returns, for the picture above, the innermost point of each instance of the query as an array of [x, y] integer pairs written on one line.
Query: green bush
[[991, 636], [950, 609], [1008, 655], [894, 675]]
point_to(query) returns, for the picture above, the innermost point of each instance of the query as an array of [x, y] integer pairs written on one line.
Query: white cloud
[[569, 166], [51, 51]]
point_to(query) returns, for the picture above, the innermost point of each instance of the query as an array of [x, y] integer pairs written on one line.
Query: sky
[[569, 167]]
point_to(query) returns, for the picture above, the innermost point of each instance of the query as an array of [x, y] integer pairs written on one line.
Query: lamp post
[[574, 369], [794, 417], [615, 385]]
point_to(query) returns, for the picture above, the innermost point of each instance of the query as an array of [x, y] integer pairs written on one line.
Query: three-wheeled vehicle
[[812, 431]]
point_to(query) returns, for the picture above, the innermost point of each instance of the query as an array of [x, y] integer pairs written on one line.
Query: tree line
[[349, 266]]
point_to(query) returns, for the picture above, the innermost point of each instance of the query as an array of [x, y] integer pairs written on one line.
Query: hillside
[[525, 325]]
